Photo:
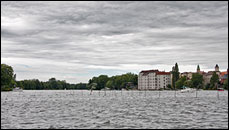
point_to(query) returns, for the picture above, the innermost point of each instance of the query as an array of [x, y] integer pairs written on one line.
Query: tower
[[216, 68], [198, 69]]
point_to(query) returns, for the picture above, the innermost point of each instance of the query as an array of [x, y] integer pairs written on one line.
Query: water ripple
[[74, 109]]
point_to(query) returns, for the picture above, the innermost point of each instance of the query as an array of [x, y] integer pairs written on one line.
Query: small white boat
[[17, 89], [220, 89], [105, 89], [187, 90], [123, 89]]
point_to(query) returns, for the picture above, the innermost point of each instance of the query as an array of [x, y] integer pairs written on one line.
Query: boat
[[123, 89], [220, 89], [17, 89], [186, 89], [105, 89]]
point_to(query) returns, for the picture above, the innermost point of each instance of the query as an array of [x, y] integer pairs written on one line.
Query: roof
[[210, 72], [223, 73], [187, 72], [163, 73], [202, 72], [146, 72]]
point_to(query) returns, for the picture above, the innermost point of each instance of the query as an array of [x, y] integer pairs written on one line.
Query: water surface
[[38, 109]]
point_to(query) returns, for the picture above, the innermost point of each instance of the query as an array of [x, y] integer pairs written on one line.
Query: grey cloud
[[113, 34]]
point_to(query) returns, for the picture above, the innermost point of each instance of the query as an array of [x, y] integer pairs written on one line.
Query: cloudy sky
[[75, 41]]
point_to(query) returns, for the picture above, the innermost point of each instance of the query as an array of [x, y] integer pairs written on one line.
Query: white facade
[[153, 79]]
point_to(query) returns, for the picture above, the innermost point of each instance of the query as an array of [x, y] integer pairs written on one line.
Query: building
[[187, 74], [216, 68], [223, 76], [153, 80], [206, 75]]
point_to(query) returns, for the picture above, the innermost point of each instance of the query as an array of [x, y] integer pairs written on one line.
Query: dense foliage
[[197, 81], [180, 82], [100, 82], [225, 85], [52, 84], [7, 77], [127, 81], [214, 81], [175, 75]]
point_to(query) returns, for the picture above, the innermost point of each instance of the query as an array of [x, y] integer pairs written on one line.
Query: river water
[[60, 109]]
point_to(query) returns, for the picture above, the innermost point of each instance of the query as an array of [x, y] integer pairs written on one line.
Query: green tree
[[180, 82], [102, 80], [53, 83], [110, 84], [6, 74], [92, 86], [169, 86], [225, 85], [198, 68], [7, 77], [207, 86], [114, 82], [188, 83], [19, 84], [81, 86], [214, 80], [175, 75], [197, 80]]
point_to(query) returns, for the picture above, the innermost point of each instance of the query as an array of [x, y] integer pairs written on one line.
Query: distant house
[[207, 75], [153, 79], [187, 74], [223, 76]]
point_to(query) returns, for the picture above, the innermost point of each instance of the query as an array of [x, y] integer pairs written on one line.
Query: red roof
[[163, 73], [223, 73], [146, 72], [202, 72]]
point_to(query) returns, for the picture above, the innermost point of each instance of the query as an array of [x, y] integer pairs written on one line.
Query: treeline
[[126, 81], [118, 82], [8, 82], [51, 84]]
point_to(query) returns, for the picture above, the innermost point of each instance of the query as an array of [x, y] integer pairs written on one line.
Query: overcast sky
[[75, 41]]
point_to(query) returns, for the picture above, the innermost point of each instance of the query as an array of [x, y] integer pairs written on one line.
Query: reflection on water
[[113, 109]]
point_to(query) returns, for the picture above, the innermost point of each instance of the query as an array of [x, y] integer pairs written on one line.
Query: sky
[[76, 40]]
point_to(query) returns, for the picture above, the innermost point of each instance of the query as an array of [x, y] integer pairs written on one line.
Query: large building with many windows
[[153, 80]]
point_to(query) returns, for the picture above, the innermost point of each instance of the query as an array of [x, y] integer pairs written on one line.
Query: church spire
[[216, 67], [198, 68]]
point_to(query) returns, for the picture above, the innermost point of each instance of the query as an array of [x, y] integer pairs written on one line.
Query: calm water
[[113, 109]]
